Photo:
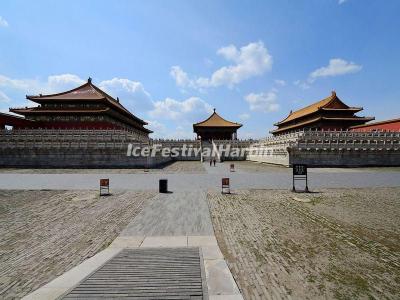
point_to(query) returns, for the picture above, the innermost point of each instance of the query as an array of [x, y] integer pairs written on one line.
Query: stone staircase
[[212, 152]]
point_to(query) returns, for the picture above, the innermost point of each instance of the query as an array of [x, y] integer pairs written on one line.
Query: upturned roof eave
[[38, 97], [233, 126], [366, 119], [102, 96], [215, 115], [314, 107], [43, 111]]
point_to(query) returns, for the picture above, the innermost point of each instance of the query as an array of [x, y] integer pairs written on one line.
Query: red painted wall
[[390, 126], [75, 125]]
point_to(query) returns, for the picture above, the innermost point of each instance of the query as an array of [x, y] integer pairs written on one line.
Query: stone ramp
[[168, 225], [146, 273], [173, 214]]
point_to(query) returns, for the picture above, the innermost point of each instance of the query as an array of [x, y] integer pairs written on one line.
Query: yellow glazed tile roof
[[215, 120], [312, 108]]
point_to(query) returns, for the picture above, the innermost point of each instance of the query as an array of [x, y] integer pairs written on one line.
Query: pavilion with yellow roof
[[216, 128], [328, 114]]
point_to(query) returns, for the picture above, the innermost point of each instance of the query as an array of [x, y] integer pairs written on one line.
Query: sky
[[171, 62]]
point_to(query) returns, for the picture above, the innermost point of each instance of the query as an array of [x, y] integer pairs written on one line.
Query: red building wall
[[390, 125], [19, 123], [75, 125]]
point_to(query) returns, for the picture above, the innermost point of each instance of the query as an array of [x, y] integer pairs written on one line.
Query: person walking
[[210, 161], [214, 160]]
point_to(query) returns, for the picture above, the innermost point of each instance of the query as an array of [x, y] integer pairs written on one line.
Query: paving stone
[[226, 297], [219, 278], [178, 213], [46, 294], [164, 241], [127, 242], [208, 240], [211, 252]]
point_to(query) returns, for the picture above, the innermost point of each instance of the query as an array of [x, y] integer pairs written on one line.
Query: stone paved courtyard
[[173, 167], [334, 244], [183, 177], [45, 233]]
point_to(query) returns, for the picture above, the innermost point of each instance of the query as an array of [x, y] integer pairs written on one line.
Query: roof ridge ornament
[[214, 109], [333, 93], [89, 80]]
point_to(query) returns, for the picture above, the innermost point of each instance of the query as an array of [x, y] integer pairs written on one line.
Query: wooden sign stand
[[104, 187], [300, 173], [225, 186]]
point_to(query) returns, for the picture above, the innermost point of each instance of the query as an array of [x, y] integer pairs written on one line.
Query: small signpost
[[104, 187], [300, 173], [232, 168], [225, 186]]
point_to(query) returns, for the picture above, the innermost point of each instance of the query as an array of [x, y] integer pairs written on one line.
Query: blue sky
[[171, 62]]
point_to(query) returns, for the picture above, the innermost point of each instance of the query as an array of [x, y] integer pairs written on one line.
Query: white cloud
[[155, 125], [123, 84], [302, 84], [249, 61], [180, 114], [336, 67], [181, 77], [159, 129], [132, 93], [181, 132], [3, 22], [189, 109], [244, 116], [62, 82], [280, 82], [176, 132], [54, 83], [229, 52], [65, 79], [20, 84], [265, 102], [4, 98], [342, 1]]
